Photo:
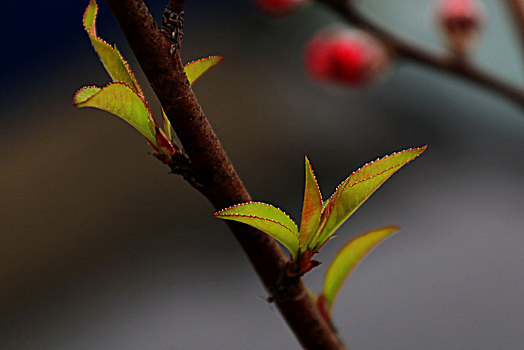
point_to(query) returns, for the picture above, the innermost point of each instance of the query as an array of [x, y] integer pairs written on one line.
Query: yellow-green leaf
[[167, 126], [196, 69], [311, 208], [358, 187], [111, 58], [85, 93], [266, 218], [122, 101], [348, 258]]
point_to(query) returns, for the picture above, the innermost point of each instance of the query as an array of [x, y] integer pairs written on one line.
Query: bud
[[461, 21], [279, 7], [347, 56]]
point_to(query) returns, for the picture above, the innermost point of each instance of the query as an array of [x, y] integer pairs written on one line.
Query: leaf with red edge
[[311, 208], [163, 142], [85, 93], [348, 258], [358, 187], [167, 126], [196, 69], [122, 101], [266, 218], [111, 58]]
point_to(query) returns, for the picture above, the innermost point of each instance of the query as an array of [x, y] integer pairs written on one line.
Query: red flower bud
[[350, 57], [279, 7], [461, 21]]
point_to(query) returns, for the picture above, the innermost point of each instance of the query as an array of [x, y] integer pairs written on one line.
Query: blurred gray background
[[101, 248]]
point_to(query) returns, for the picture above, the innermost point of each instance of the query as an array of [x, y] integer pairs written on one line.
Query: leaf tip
[[393, 228], [78, 98], [419, 150], [218, 213], [92, 6], [306, 159], [422, 148]]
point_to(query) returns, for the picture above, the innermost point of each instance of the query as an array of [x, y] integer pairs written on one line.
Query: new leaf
[[319, 219], [196, 69], [351, 254], [311, 208], [111, 58], [268, 219], [122, 101], [125, 98], [358, 187]]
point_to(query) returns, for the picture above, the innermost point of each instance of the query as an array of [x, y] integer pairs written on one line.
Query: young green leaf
[[111, 58], [85, 93], [266, 218], [321, 219], [167, 126], [348, 258], [311, 208], [196, 69], [358, 187], [122, 101]]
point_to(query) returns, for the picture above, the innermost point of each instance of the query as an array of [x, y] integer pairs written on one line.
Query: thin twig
[[404, 49], [517, 10], [212, 168]]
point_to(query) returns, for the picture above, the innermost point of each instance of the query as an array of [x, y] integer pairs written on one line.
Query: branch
[[211, 167], [177, 5], [404, 49], [517, 10]]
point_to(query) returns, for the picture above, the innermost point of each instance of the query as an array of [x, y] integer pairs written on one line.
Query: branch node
[[180, 164], [173, 27], [286, 288]]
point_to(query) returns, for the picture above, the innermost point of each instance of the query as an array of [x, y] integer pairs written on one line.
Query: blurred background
[[101, 248]]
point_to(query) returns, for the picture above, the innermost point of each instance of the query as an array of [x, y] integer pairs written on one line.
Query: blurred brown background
[[101, 248]]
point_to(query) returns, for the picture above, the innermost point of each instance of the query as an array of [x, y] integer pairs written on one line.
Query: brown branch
[[212, 168], [517, 10], [177, 5], [447, 63]]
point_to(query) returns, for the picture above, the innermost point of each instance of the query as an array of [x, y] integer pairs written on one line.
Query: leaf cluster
[[321, 218], [124, 96]]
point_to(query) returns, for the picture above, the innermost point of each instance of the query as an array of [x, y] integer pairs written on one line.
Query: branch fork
[[180, 164], [402, 48]]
